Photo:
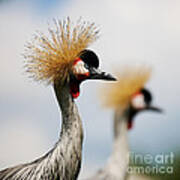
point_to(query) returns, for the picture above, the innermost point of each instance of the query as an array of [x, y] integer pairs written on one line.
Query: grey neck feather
[[118, 161], [63, 162], [71, 122], [71, 137], [117, 164]]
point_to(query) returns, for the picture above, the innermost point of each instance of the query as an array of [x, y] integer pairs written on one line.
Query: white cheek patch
[[138, 101], [79, 68]]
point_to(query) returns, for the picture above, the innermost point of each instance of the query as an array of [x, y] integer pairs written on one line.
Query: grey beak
[[156, 109], [98, 74]]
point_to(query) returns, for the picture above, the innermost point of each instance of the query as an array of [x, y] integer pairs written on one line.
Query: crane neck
[[120, 124], [119, 159], [63, 96], [68, 150], [67, 105]]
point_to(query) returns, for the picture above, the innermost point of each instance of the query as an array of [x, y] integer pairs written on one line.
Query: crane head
[[85, 67], [128, 95], [62, 57], [140, 101]]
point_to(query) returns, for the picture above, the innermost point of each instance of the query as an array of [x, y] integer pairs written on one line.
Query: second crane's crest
[[130, 81], [51, 58]]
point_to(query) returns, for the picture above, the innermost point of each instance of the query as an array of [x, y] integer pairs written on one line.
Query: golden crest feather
[[50, 59], [130, 81]]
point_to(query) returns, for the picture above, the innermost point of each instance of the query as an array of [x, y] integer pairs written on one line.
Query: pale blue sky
[[132, 31]]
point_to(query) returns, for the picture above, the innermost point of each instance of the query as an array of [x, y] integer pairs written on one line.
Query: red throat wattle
[[130, 124], [74, 89]]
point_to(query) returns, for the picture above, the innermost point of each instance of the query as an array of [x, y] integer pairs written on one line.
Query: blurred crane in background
[[127, 97]]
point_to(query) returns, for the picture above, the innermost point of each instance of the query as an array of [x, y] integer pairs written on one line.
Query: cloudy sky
[[132, 31]]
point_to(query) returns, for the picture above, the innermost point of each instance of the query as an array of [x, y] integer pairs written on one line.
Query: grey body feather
[[63, 162]]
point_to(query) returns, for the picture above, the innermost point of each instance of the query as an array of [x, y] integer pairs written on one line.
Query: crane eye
[[90, 58]]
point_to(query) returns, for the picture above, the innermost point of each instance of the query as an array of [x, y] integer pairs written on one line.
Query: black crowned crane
[[127, 97], [63, 61]]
